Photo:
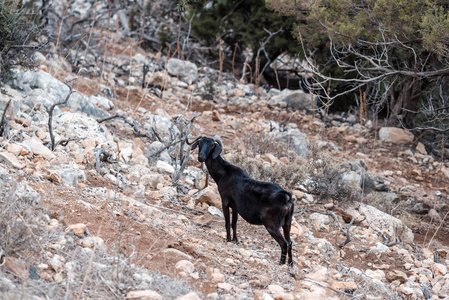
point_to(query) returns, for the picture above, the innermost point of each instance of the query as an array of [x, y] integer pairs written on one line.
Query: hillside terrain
[[119, 208]]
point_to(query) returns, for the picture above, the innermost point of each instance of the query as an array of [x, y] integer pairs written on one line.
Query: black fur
[[259, 203]]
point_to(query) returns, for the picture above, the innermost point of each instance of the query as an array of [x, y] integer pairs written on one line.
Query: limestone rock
[[143, 295], [184, 70], [189, 296], [395, 135], [10, 160], [210, 196], [185, 267], [38, 148], [396, 275], [79, 229]]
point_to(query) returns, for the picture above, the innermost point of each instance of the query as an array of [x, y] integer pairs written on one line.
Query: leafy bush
[[18, 38]]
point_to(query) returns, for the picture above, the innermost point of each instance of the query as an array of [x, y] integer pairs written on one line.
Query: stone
[[10, 160], [296, 140], [215, 211], [434, 215], [346, 286], [421, 148], [38, 148], [439, 269], [274, 289], [101, 102], [395, 135], [225, 286], [15, 149], [164, 167], [15, 266], [189, 296], [396, 275], [217, 276], [79, 229], [392, 227], [210, 196], [185, 267], [298, 194], [297, 99], [216, 116], [57, 263], [159, 79], [184, 70], [143, 295]]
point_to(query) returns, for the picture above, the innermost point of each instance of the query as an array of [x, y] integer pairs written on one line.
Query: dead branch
[[137, 128], [184, 127], [348, 237], [50, 113], [102, 155], [4, 125]]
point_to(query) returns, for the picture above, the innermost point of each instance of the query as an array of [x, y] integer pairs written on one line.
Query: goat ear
[[217, 151], [195, 145]]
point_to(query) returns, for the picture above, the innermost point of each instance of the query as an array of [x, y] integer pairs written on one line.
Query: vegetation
[[244, 25], [18, 38], [393, 53]]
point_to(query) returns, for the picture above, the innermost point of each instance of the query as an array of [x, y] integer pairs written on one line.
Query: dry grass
[[27, 237], [318, 172]]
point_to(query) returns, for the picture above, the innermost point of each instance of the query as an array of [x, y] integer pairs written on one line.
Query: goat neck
[[216, 167]]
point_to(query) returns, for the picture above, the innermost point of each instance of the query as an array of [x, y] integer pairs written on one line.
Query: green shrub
[[18, 38]]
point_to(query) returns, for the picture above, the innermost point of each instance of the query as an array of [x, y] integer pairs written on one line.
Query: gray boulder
[[184, 70], [293, 137]]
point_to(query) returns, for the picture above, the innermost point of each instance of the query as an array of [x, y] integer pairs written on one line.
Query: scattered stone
[[57, 263], [395, 135], [164, 167], [143, 295], [216, 116], [38, 148], [434, 215], [10, 160], [189, 296], [210, 196], [396, 275], [184, 267], [15, 266], [184, 70], [346, 286], [79, 229]]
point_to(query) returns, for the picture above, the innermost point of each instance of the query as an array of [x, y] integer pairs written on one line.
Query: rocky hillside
[[101, 198]]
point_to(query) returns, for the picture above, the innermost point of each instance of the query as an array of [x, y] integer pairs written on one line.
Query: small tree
[[395, 51]]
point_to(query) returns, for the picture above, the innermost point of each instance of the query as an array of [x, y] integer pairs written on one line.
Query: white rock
[[164, 167], [189, 296], [395, 135], [38, 148], [185, 266]]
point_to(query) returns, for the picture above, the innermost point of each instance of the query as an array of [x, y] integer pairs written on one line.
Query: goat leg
[[225, 207], [286, 228], [235, 216], [276, 234]]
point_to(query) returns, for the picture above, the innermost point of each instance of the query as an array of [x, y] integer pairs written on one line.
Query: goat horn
[[218, 140], [198, 137]]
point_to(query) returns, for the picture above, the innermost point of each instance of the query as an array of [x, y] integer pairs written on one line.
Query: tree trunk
[[404, 110]]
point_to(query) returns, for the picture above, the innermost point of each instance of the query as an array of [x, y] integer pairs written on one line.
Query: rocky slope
[[112, 213]]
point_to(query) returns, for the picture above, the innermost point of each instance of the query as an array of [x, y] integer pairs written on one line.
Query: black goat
[[259, 203]]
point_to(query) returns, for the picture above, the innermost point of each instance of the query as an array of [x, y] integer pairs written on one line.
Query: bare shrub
[[318, 173]]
